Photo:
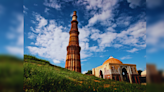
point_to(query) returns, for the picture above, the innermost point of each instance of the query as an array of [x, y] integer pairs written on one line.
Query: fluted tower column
[[73, 49]]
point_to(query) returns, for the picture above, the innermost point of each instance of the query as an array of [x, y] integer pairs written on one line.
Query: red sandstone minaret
[[73, 49]]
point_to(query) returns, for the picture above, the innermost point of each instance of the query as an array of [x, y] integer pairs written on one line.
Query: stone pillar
[[115, 77], [129, 73], [138, 79], [119, 78], [121, 74], [110, 73], [135, 79]]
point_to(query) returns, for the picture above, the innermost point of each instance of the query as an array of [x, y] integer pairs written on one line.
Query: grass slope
[[41, 76], [11, 71]]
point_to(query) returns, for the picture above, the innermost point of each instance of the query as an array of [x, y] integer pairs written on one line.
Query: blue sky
[[11, 25], [107, 28]]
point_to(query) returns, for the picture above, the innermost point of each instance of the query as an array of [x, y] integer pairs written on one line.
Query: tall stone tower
[[73, 49]]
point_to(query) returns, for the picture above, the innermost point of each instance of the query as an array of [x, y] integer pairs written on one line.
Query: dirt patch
[[143, 83], [106, 85], [39, 64], [80, 81], [72, 79], [56, 69], [75, 80], [96, 81], [113, 82]]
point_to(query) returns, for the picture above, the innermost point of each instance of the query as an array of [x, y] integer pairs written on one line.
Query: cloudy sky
[[11, 27], [124, 29]]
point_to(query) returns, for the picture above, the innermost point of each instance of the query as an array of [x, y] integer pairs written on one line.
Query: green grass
[[11, 71], [41, 76]]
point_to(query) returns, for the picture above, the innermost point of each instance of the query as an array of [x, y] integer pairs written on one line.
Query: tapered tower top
[[74, 17], [74, 13]]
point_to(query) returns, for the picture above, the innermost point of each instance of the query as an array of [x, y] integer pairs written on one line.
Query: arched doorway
[[101, 74], [124, 75]]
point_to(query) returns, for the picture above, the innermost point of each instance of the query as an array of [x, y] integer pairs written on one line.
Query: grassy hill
[[11, 71], [41, 76]]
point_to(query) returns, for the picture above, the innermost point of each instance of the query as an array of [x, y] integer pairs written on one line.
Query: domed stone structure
[[143, 74], [112, 60], [113, 68]]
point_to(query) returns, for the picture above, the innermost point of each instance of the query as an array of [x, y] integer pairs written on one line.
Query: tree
[[89, 72], [160, 72], [139, 72]]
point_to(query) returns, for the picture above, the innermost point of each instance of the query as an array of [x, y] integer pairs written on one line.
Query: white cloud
[[32, 43], [86, 50], [117, 45], [99, 17], [84, 72], [92, 6], [126, 57], [94, 36], [85, 54], [71, 14], [154, 37], [154, 33], [110, 29], [10, 36], [94, 49], [46, 10], [96, 4], [15, 50], [84, 34], [33, 21], [20, 40], [84, 60], [25, 9], [52, 43], [31, 35], [134, 3], [134, 36], [56, 61], [151, 50], [52, 4], [17, 35], [41, 22], [51, 40], [132, 50], [123, 21], [106, 39]]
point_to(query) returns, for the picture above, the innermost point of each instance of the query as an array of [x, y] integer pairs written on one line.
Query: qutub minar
[[73, 49]]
